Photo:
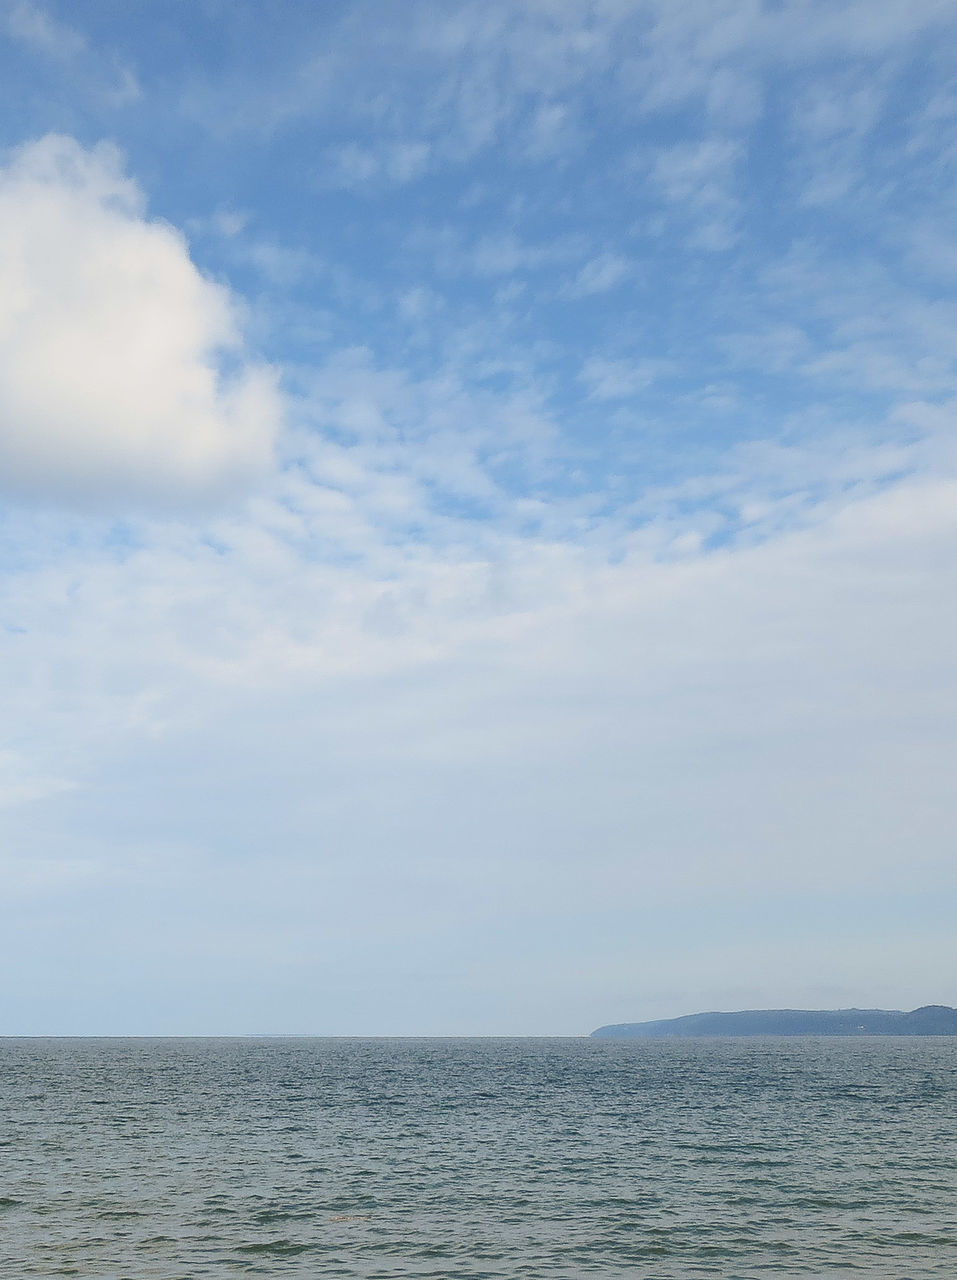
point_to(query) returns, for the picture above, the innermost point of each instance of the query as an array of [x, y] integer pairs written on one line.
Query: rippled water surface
[[494, 1158]]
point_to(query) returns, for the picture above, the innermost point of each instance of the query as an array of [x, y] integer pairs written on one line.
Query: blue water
[[478, 1158]]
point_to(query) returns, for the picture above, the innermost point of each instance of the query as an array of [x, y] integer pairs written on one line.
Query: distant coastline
[[929, 1020]]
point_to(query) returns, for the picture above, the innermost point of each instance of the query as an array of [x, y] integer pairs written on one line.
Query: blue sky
[[479, 512]]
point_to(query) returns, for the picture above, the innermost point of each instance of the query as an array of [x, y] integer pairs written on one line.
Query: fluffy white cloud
[[121, 366]]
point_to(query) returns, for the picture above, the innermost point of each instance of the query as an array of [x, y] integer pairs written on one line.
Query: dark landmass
[[930, 1020]]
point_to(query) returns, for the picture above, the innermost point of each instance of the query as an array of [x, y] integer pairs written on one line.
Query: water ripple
[[486, 1159]]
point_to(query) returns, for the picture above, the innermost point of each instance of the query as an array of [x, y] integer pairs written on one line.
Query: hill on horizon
[[928, 1020]]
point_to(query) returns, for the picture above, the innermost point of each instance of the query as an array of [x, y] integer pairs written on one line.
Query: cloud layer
[[572, 641]]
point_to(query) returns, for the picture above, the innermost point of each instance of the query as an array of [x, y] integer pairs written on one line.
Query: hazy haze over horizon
[[478, 513]]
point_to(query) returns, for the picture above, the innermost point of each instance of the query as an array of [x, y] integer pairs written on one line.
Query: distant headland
[[930, 1020]]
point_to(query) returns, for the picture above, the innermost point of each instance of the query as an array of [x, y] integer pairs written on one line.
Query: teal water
[[178, 1159]]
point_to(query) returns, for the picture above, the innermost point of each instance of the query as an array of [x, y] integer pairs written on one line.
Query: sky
[[478, 512]]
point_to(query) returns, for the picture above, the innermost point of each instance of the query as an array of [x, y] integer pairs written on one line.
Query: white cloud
[[698, 179], [21, 785], [523, 741], [552, 131], [688, 48], [490, 73], [31, 24], [492, 658], [599, 274], [351, 166], [506, 254], [103, 75], [407, 161], [121, 367], [831, 124], [225, 224], [354, 166], [874, 331], [618, 379]]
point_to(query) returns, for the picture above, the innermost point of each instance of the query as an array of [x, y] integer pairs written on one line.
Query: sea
[[175, 1159]]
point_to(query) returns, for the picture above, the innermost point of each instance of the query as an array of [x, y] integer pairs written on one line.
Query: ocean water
[[478, 1158]]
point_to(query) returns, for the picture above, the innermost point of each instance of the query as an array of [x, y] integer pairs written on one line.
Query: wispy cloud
[[35, 27], [599, 274], [620, 379], [698, 179]]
